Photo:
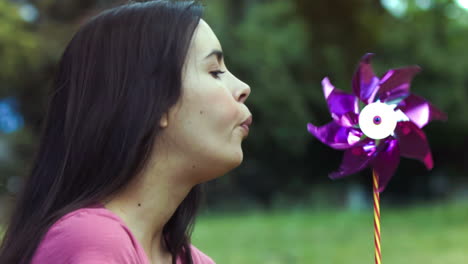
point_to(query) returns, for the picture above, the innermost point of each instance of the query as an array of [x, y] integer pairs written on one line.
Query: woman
[[143, 111]]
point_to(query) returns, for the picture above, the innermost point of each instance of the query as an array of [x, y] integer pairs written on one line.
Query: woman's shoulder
[[199, 257], [88, 222], [87, 235], [94, 234]]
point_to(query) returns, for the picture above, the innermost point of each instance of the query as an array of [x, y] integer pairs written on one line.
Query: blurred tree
[[284, 56], [266, 46], [435, 39], [19, 50], [20, 56]]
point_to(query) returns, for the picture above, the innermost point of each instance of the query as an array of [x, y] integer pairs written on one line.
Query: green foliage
[[438, 44], [18, 47], [282, 49], [267, 49]]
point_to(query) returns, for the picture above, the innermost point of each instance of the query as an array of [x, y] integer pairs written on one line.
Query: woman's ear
[[164, 121]]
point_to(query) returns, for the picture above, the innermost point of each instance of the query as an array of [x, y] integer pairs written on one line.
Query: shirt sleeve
[[86, 239]]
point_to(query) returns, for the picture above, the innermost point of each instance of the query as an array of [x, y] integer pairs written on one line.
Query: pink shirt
[[95, 235]]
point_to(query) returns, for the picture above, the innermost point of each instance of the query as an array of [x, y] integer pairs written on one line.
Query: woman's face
[[204, 127]]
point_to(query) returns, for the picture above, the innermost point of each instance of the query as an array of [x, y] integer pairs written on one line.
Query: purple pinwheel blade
[[334, 135], [413, 143], [364, 80], [386, 162], [355, 159], [420, 111], [343, 106], [396, 83]]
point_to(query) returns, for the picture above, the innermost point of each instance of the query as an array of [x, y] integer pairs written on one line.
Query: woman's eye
[[216, 74]]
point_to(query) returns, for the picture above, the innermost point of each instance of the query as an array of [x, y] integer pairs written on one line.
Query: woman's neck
[[145, 207]]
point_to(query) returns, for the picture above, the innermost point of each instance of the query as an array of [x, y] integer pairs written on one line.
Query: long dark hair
[[118, 75]]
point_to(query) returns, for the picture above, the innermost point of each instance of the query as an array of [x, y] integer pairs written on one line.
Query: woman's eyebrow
[[218, 53]]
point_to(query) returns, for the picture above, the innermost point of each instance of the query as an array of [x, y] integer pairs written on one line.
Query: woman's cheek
[[222, 105], [216, 105]]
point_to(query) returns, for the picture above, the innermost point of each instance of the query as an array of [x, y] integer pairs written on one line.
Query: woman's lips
[[248, 121], [246, 124], [246, 127]]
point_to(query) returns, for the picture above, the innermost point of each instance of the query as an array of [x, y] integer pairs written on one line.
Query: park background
[[279, 206]]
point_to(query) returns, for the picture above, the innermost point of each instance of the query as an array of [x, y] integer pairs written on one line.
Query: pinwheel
[[376, 125]]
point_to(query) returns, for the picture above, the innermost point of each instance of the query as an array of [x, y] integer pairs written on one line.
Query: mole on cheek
[[201, 112]]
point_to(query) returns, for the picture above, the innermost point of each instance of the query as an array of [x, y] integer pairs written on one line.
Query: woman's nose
[[243, 92]]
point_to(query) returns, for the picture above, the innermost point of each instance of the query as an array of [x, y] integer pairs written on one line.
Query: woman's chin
[[238, 157], [229, 162]]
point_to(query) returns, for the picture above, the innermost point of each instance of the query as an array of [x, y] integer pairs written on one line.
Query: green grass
[[426, 235]]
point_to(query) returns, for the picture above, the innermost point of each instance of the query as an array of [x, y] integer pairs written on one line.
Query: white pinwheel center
[[377, 120]]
